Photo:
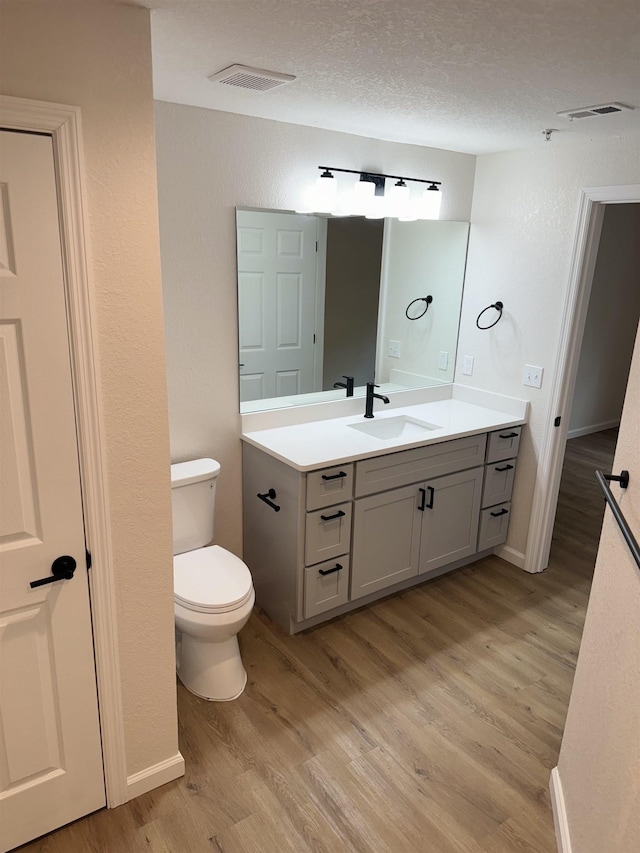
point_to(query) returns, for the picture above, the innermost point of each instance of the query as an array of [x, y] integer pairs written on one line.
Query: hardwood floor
[[429, 721]]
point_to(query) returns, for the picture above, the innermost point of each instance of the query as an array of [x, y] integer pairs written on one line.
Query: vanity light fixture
[[371, 196]]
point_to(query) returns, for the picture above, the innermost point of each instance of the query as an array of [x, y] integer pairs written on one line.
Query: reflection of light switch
[[394, 349], [443, 360], [467, 367]]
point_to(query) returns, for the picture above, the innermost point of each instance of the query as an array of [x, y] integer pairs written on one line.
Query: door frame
[[63, 123], [585, 249]]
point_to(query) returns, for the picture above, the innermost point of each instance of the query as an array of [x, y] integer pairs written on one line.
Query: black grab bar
[[623, 479]]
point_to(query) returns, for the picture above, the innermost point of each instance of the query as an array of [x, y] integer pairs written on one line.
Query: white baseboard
[[587, 430], [559, 813], [506, 552], [154, 776]]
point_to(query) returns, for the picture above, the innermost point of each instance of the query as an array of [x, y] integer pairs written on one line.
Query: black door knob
[[62, 568]]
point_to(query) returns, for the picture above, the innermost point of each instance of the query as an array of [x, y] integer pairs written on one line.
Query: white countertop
[[317, 444]]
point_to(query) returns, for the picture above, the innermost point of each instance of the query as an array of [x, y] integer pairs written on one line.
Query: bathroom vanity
[[341, 511]]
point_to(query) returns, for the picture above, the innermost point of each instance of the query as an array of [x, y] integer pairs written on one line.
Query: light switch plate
[[443, 360], [533, 376], [394, 349], [467, 365]]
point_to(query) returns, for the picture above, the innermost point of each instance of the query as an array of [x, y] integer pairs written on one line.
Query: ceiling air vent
[[599, 110], [251, 78]]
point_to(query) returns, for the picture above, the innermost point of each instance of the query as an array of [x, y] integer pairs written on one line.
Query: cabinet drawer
[[503, 444], [421, 463], [329, 486], [498, 482], [326, 586], [328, 533], [494, 524]]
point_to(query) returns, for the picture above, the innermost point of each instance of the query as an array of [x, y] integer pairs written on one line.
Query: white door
[[276, 303], [50, 751]]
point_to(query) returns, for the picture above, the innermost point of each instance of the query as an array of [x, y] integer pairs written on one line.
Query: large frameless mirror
[[322, 298]]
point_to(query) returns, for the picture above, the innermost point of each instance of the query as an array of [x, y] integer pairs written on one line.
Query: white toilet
[[212, 589]]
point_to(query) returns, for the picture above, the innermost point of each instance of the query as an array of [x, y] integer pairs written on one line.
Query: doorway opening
[[606, 349]]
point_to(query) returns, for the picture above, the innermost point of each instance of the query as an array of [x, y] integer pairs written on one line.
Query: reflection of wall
[[612, 321], [420, 259], [98, 56], [354, 252], [209, 162], [525, 205]]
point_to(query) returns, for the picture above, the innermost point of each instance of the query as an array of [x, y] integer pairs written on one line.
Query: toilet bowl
[[213, 590]]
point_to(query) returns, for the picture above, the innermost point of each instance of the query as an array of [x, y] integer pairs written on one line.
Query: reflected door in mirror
[[276, 303]]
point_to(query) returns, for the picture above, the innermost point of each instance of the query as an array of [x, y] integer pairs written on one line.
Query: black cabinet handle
[[336, 568], [423, 498], [432, 492], [503, 511], [504, 468], [334, 476], [62, 569], [265, 497], [338, 514], [509, 435]]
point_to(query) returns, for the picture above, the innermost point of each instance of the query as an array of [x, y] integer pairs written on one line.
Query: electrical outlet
[[533, 376], [467, 366], [394, 349], [443, 360]]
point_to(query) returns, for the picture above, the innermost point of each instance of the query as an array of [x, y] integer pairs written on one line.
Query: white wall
[[524, 218], [208, 163], [611, 325], [98, 57], [599, 766]]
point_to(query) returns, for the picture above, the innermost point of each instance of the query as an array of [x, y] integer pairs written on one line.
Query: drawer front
[[494, 524], [329, 486], [421, 463], [326, 586], [503, 444], [498, 482], [328, 533]]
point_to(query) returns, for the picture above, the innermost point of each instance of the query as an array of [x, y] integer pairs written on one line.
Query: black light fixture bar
[[373, 175]]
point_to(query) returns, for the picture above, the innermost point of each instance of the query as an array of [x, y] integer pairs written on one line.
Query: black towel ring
[[498, 306], [426, 299]]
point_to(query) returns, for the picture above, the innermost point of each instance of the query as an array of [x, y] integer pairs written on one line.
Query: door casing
[[63, 123]]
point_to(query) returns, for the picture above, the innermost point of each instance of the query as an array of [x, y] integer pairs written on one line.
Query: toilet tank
[[193, 495]]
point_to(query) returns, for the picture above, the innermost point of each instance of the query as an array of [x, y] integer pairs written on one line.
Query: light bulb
[[430, 204]]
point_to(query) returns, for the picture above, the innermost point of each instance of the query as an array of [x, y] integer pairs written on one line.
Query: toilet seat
[[211, 580]]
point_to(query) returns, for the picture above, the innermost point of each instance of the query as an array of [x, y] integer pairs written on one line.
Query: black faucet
[[348, 385], [368, 409]]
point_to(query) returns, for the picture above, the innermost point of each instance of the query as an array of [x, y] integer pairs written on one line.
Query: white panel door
[[50, 751], [276, 303]]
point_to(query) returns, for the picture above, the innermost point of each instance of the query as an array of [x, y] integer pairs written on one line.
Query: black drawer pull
[[334, 476], [265, 497], [336, 568], [423, 498], [503, 511], [509, 435], [338, 514], [504, 468], [432, 492]]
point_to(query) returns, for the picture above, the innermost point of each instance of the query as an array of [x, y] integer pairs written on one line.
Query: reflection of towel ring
[[498, 306], [426, 299]]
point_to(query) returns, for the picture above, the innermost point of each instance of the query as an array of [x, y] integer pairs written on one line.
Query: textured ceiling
[[467, 75]]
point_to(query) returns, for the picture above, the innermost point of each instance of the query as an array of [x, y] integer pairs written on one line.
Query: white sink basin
[[400, 426]]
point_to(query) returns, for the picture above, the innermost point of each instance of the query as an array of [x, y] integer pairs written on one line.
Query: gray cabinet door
[[450, 523], [386, 540]]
